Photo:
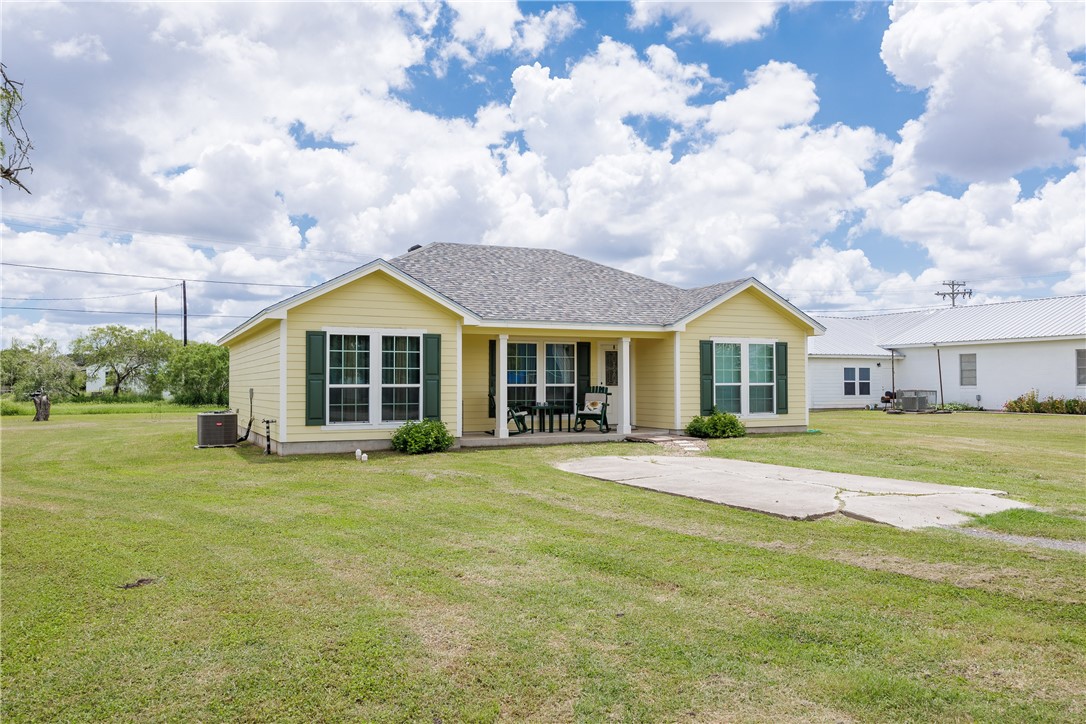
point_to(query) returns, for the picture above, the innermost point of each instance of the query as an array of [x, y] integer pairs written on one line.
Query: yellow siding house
[[430, 334]]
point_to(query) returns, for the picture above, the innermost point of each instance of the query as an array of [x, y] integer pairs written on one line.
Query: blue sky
[[850, 155]]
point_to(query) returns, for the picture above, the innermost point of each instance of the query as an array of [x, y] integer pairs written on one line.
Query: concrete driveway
[[796, 492]]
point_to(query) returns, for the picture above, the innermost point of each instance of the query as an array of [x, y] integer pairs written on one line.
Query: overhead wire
[[153, 276], [79, 299]]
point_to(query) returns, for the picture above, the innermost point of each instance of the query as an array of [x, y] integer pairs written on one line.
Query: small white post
[[501, 406], [624, 426]]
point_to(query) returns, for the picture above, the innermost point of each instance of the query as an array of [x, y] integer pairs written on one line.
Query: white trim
[[459, 379], [678, 383], [282, 424], [807, 389], [745, 383], [501, 405], [571, 327], [624, 388], [375, 386], [280, 309]]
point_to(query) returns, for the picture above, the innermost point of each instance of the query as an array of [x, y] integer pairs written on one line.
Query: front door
[[609, 375]]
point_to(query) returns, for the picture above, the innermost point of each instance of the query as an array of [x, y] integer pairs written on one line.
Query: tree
[[128, 355], [199, 374], [15, 143], [39, 365]]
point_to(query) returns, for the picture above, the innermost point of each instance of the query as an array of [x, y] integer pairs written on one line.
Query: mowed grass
[[486, 585]]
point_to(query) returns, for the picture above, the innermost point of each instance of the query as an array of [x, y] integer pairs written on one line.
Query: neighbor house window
[[744, 377], [365, 386], [1080, 366], [968, 366], [857, 381]]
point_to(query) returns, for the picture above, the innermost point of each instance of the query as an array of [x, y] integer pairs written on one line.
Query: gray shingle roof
[[520, 284]]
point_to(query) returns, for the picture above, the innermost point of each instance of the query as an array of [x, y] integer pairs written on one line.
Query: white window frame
[[745, 384], [541, 367], [1080, 367], [376, 336], [961, 369], [858, 391]]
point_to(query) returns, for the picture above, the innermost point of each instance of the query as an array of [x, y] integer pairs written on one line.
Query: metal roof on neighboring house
[[998, 322]]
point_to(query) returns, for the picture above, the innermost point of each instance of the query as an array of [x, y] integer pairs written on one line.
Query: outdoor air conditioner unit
[[916, 400], [217, 429]]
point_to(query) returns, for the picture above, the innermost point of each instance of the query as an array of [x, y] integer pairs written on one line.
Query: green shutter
[[706, 355], [584, 371], [493, 388], [314, 378], [431, 376], [782, 378]]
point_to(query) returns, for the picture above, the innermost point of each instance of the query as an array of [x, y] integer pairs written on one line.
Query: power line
[[79, 299], [117, 311], [152, 276]]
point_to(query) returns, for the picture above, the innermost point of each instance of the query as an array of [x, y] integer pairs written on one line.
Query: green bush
[[961, 407], [716, 425], [9, 408], [422, 437], [1029, 402]]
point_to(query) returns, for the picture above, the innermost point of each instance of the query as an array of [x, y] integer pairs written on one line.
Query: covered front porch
[[513, 375]]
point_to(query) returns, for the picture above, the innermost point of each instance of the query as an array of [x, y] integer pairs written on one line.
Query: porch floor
[[483, 439]]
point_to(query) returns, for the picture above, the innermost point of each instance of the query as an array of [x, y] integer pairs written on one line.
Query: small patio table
[[549, 408]]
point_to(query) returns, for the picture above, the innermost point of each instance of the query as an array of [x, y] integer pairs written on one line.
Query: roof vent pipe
[[416, 246]]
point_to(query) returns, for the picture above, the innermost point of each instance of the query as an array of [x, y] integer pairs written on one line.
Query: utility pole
[[184, 314], [156, 312], [955, 292]]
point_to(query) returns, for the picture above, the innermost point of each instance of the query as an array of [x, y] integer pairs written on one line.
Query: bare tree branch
[[16, 157]]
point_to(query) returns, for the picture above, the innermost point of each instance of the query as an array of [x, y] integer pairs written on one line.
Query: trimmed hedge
[[427, 436], [716, 425]]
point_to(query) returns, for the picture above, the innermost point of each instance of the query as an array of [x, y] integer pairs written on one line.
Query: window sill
[[347, 426]]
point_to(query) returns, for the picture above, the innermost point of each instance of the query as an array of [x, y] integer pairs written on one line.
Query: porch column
[[624, 427], [501, 426]]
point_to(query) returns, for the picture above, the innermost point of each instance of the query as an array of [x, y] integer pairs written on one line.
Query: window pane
[[400, 360], [850, 374], [349, 404], [728, 399], [399, 404], [865, 388], [865, 374], [968, 366], [850, 388], [761, 363], [522, 364], [1080, 364], [349, 359], [562, 397], [761, 399], [728, 364], [560, 364], [521, 396]]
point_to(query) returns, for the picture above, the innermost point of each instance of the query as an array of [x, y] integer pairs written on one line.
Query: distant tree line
[[134, 360]]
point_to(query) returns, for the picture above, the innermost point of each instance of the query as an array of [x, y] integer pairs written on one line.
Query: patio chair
[[519, 417], [595, 409]]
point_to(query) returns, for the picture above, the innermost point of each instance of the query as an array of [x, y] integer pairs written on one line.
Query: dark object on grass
[[41, 406], [137, 583]]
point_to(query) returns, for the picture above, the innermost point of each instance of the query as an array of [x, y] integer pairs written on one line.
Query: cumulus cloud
[[83, 46], [1001, 87], [724, 22], [480, 29]]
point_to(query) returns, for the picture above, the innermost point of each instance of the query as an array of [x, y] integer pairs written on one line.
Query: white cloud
[[480, 29], [1001, 89], [84, 46], [725, 22]]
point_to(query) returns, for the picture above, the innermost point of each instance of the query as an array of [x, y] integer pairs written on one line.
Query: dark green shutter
[[314, 378], [782, 377], [706, 355], [493, 389], [584, 371], [431, 376]]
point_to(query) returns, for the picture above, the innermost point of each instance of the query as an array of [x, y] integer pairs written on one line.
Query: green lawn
[[486, 585]]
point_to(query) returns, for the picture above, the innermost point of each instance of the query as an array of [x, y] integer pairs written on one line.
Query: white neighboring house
[[989, 353]]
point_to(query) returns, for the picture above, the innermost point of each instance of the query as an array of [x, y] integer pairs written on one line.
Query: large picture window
[[367, 387], [744, 377]]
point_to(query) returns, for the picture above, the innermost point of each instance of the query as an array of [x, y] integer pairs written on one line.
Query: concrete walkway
[[796, 492]]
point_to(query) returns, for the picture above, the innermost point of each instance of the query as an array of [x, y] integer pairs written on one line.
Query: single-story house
[[432, 333], [980, 355]]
